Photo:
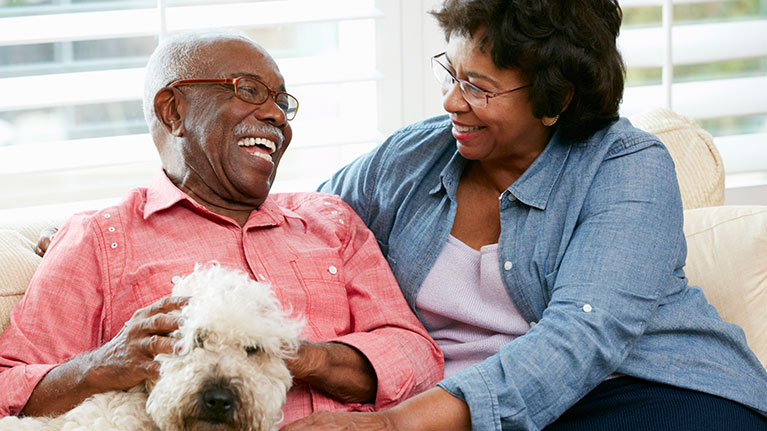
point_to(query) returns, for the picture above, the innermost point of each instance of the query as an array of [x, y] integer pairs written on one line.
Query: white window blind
[[71, 81], [706, 59], [71, 70]]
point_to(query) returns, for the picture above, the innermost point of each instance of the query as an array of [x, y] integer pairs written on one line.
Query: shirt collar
[[533, 188], [163, 194], [536, 183], [450, 175]]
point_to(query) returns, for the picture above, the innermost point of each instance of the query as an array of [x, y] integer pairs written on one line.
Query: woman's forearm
[[433, 410]]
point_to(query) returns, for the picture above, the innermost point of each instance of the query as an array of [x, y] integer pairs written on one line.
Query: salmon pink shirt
[[322, 261]]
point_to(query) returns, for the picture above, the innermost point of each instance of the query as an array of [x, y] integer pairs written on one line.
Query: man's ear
[[170, 107]]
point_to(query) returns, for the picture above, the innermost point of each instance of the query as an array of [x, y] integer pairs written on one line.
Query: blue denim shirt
[[591, 251]]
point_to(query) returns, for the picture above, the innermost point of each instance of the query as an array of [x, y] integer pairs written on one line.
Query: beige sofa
[[727, 245]]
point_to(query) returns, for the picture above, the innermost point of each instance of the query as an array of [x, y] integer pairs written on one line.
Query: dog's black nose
[[218, 404]]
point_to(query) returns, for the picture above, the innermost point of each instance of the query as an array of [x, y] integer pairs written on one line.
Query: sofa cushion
[[727, 258], [19, 261], [699, 167]]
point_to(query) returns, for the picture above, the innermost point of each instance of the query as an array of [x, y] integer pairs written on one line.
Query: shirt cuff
[[394, 371], [17, 384], [472, 386]]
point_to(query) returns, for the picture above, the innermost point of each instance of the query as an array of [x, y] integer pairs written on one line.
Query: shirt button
[[327, 203], [107, 215], [507, 265], [111, 229], [511, 197], [334, 212], [587, 308], [114, 245], [341, 221], [533, 324], [332, 269], [176, 279]]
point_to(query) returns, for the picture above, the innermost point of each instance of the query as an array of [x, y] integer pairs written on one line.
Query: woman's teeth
[[466, 129]]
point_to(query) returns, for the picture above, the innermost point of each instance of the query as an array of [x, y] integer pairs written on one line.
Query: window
[[71, 80], [706, 59], [716, 74], [360, 69]]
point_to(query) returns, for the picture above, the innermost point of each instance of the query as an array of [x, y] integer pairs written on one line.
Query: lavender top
[[465, 307]]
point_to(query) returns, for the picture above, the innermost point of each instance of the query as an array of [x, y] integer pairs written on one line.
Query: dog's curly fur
[[235, 339]]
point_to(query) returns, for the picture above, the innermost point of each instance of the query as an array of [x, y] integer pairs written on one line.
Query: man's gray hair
[[180, 56]]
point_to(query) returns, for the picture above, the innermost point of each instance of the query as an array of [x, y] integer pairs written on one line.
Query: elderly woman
[[539, 239]]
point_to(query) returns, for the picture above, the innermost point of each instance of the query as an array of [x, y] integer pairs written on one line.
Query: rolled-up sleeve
[[53, 322], [406, 360]]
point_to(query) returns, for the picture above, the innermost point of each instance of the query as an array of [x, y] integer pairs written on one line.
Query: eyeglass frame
[[233, 82], [462, 84]]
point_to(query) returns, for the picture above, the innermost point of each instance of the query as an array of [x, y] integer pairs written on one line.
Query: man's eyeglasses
[[250, 90], [471, 93]]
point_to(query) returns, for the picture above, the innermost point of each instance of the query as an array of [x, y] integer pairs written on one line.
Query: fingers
[[46, 236], [150, 326], [157, 318]]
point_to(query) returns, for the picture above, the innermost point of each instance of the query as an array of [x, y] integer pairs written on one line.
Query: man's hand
[[128, 359], [338, 369], [121, 363]]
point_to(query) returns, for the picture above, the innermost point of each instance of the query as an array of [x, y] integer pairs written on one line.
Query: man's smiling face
[[231, 148]]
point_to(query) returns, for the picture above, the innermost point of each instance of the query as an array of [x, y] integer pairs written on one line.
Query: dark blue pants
[[630, 404]]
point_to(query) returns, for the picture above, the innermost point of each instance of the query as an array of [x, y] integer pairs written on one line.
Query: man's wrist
[[310, 362]]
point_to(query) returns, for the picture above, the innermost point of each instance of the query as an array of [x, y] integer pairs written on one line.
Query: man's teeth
[[249, 142]]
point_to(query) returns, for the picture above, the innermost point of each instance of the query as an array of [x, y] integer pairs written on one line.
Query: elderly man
[[96, 311]]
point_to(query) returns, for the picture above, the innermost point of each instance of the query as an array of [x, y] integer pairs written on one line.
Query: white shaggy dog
[[230, 374]]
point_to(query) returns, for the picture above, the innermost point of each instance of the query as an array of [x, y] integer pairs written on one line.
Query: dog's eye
[[252, 350]]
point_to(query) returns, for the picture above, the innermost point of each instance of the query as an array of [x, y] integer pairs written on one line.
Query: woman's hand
[[342, 421], [46, 236], [433, 410]]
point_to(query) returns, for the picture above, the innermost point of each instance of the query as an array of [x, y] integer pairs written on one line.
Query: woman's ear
[[170, 107]]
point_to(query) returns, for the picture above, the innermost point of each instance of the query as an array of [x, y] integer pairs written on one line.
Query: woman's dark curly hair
[[556, 44]]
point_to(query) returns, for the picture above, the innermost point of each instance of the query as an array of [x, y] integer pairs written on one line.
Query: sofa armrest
[[727, 258], [18, 260]]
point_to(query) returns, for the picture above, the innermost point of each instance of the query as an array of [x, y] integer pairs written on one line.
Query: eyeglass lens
[[255, 92], [472, 94]]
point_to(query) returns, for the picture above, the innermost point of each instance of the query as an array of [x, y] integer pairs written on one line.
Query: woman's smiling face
[[506, 127]]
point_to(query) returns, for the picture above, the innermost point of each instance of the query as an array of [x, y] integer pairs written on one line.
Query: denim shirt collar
[[450, 175], [533, 188]]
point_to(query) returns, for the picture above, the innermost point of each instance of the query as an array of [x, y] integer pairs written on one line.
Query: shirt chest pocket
[[323, 295], [139, 292]]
